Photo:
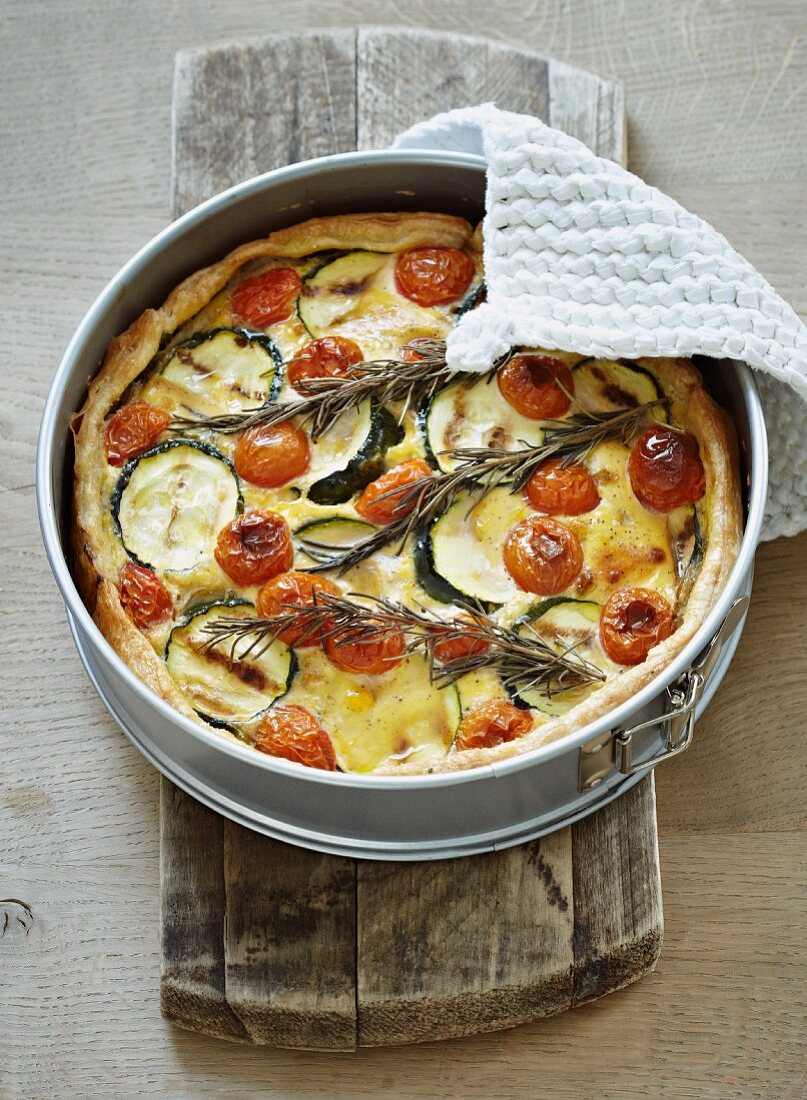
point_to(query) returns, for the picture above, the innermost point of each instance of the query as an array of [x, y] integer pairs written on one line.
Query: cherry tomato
[[433, 276], [665, 469], [132, 430], [558, 490], [492, 724], [374, 505], [271, 455], [375, 656], [410, 352], [295, 588], [542, 555], [464, 645], [255, 547], [532, 385], [143, 596], [632, 621], [293, 733], [329, 357], [266, 299]]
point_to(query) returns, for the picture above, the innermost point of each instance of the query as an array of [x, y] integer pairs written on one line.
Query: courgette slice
[[334, 533], [367, 463], [234, 368], [474, 414], [355, 296], [170, 503], [463, 548], [223, 687], [396, 716], [563, 623], [602, 385]]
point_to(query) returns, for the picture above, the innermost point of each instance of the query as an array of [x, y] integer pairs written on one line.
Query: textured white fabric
[[582, 255]]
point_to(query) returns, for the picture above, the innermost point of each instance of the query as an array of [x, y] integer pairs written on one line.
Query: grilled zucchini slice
[[562, 623], [474, 414], [355, 296], [233, 368], [463, 547], [602, 385], [170, 504], [383, 432], [225, 689]]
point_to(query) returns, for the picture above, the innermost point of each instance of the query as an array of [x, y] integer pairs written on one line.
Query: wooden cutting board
[[263, 942]]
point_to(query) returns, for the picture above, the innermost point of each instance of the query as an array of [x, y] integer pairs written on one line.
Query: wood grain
[[717, 96]]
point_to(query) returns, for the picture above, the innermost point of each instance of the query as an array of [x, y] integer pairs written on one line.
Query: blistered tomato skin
[[255, 547], [665, 469], [383, 500], [632, 621], [132, 430], [491, 724], [299, 589], [268, 298], [454, 649], [537, 386], [143, 596], [371, 657], [433, 276], [558, 490], [272, 455], [328, 357], [542, 555], [293, 733]]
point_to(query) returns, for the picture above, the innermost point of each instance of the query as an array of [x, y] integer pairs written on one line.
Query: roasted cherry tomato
[[266, 299], [632, 621], [143, 596], [433, 276], [293, 733], [383, 500], [665, 469], [375, 656], [328, 357], [410, 352], [558, 490], [542, 555], [534, 385], [464, 645], [255, 547], [492, 724], [132, 430], [271, 455], [295, 588]]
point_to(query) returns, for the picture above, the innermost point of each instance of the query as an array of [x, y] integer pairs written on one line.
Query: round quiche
[[298, 527]]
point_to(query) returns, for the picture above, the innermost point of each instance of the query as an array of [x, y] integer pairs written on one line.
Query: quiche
[[296, 525]]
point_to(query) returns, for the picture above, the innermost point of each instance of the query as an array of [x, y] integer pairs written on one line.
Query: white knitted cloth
[[583, 256]]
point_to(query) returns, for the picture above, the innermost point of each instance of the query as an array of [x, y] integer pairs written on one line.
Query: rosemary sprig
[[522, 658], [322, 400], [479, 470]]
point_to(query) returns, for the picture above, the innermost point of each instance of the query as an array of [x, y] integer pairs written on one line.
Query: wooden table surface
[[717, 102]]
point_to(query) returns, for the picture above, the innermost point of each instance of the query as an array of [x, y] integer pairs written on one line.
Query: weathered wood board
[[267, 943]]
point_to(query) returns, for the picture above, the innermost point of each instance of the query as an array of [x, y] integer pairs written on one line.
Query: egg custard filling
[[296, 524]]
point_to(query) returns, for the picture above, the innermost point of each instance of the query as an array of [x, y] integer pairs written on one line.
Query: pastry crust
[[97, 560]]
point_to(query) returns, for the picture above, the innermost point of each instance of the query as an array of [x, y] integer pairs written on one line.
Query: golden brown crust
[[129, 354]]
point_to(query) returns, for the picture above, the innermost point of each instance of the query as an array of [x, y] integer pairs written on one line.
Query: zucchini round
[[474, 414], [464, 548], [170, 503], [563, 623], [603, 385], [367, 463], [355, 296], [223, 687], [234, 368]]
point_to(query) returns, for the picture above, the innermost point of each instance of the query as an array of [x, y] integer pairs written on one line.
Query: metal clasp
[[614, 750]]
